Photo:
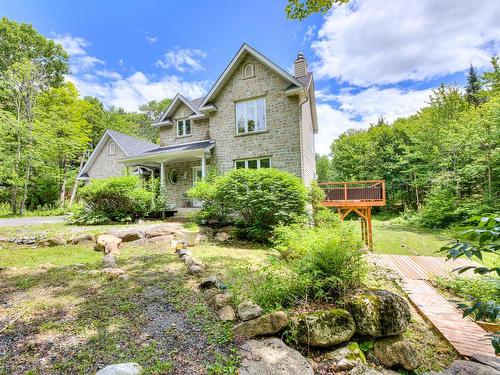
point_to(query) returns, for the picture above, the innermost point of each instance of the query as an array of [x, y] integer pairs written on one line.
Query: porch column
[[203, 167], [162, 175]]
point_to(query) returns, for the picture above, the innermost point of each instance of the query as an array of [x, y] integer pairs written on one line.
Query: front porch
[[178, 167]]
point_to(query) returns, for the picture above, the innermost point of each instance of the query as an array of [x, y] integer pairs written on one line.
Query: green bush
[[115, 199], [439, 209], [475, 288], [256, 200], [316, 263]]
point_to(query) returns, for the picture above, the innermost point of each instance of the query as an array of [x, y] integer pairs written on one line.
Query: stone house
[[256, 115]]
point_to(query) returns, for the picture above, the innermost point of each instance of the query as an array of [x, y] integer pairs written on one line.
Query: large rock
[[121, 369], [113, 273], [82, 238], [362, 369], [222, 236], [226, 314], [272, 357], [107, 243], [160, 230], [220, 300], [396, 352], [195, 269], [263, 325], [190, 261], [53, 241], [487, 360], [461, 367], [379, 313], [324, 328], [166, 238], [128, 235], [109, 261], [212, 281], [248, 310], [345, 358]]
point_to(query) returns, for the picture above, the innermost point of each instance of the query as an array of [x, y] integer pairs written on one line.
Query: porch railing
[[355, 193]]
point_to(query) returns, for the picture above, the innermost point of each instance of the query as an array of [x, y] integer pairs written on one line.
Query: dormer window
[[249, 70], [183, 127], [112, 148]]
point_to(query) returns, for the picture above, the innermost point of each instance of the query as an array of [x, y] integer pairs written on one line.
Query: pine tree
[[473, 88]]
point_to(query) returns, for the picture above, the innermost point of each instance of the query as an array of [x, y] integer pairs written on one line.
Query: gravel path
[[35, 220]]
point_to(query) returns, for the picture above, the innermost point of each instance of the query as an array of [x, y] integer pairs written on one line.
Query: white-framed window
[[183, 127], [112, 148], [251, 116], [255, 163], [249, 71]]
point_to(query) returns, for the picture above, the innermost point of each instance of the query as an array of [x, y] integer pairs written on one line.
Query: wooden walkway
[[464, 335]]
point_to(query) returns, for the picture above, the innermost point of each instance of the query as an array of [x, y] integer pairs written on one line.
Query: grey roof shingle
[[177, 148], [131, 145], [196, 102]]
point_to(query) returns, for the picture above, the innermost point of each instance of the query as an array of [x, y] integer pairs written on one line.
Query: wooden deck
[[464, 335]]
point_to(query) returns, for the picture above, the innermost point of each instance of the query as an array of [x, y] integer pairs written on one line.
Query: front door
[[197, 175]]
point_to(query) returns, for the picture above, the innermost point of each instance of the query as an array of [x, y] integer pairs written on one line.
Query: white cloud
[[105, 73], [182, 59], [138, 88], [74, 45], [309, 34], [151, 39], [359, 110], [389, 41]]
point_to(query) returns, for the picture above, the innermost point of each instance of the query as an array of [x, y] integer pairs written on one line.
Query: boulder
[[128, 235], [362, 369], [379, 313], [109, 261], [396, 352], [248, 310], [195, 269], [212, 282], [160, 230], [226, 314], [345, 358], [121, 369], [190, 261], [185, 252], [202, 238], [82, 238], [220, 300], [462, 367], [263, 325], [113, 273], [487, 360], [165, 238], [50, 242], [324, 328], [271, 356], [222, 236], [107, 243]]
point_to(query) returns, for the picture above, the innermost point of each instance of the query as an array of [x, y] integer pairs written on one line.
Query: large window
[[251, 116], [253, 163], [183, 127]]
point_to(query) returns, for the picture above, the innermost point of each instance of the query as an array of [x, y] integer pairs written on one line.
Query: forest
[[46, 129], [440, 165]]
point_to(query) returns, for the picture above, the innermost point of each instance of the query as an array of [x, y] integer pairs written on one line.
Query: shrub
[[439, 209], [316, 196], [256, 200], [115, 199]]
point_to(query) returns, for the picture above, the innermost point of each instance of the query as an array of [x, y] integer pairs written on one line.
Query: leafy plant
[[193, 227], [482, 239]]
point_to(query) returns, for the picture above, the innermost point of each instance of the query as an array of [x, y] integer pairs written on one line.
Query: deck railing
[[356, 193]]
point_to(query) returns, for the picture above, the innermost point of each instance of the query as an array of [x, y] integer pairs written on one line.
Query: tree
[[322, 168], [20, 42], [492, 79], [300, 9], [151, 112], [473, 87]]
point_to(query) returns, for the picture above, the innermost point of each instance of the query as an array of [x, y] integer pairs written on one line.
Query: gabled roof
[[129, 145], [174, 104], [175, 150], [241, 54]]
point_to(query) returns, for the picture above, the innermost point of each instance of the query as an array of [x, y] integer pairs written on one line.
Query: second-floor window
[[251, 116], [183, 127]]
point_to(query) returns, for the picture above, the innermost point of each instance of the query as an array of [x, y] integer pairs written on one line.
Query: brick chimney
[[300, 66]]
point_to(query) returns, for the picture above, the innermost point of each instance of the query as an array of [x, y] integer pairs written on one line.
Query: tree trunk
[[75, 186], [62, 197], [27, 176]]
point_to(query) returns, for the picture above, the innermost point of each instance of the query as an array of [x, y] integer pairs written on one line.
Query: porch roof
[[180, 151]]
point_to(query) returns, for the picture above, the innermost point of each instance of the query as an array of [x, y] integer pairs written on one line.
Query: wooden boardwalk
[[464, 335]]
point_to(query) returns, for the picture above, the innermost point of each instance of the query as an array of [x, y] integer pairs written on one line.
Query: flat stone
[[124, 277], [248, 310], [462, 367], [195, 269], [190, 261], [113, 272], [185, 252], [128, 235], [160, 230], [226, 314], [263, 325], [271, 356], [222, 236], [345, 358], [220, 300], [362, 369], [121, 369], [107, 243], [487, 360], [212, 282], [109, 261], [49, 242], [165, 238]]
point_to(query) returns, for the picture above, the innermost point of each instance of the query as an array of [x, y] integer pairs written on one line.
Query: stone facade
[[106, 165], [199, 129]]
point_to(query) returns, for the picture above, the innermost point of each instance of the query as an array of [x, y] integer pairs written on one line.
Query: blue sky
[[371, 58]]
